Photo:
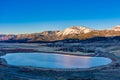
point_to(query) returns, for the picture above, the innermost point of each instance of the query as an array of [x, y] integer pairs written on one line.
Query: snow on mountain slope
[[116, 28], [74, 30]]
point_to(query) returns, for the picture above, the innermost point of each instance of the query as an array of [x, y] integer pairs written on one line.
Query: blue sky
[[29, 16]]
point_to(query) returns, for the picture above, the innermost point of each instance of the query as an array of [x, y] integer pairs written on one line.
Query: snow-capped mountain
[[74, 30], [116, 28]]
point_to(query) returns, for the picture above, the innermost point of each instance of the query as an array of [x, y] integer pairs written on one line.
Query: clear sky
[[28, 16]]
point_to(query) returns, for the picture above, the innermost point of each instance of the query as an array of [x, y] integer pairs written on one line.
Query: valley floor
[[107, 72]]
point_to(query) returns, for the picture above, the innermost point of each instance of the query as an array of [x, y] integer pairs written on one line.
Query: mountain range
[[75, 32]]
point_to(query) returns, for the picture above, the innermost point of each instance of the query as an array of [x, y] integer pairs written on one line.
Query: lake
[[51, 60]]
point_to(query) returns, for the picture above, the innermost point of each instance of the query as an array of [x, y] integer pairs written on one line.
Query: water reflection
[[49, 60]]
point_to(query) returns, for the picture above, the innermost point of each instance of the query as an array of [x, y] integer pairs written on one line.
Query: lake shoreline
[[66, 74], [64, 53]]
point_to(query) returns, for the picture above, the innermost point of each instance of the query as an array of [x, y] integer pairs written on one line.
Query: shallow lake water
[[49, 60]]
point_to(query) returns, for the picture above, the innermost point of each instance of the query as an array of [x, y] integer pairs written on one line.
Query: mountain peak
[[78, 27], [116, 28], [75, 30]]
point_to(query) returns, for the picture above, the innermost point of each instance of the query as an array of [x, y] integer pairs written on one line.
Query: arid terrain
[[106, 72]]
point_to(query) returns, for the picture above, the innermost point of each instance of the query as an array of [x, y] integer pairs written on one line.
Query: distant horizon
[[31, 16], [58, 30]]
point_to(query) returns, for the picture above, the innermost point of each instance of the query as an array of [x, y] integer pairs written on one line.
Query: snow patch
[[116, 28], [75, 30]]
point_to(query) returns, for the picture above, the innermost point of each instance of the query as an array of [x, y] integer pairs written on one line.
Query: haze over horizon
[[29, 16]]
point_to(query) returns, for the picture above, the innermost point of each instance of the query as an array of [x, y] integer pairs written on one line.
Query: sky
[[29, 16]]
